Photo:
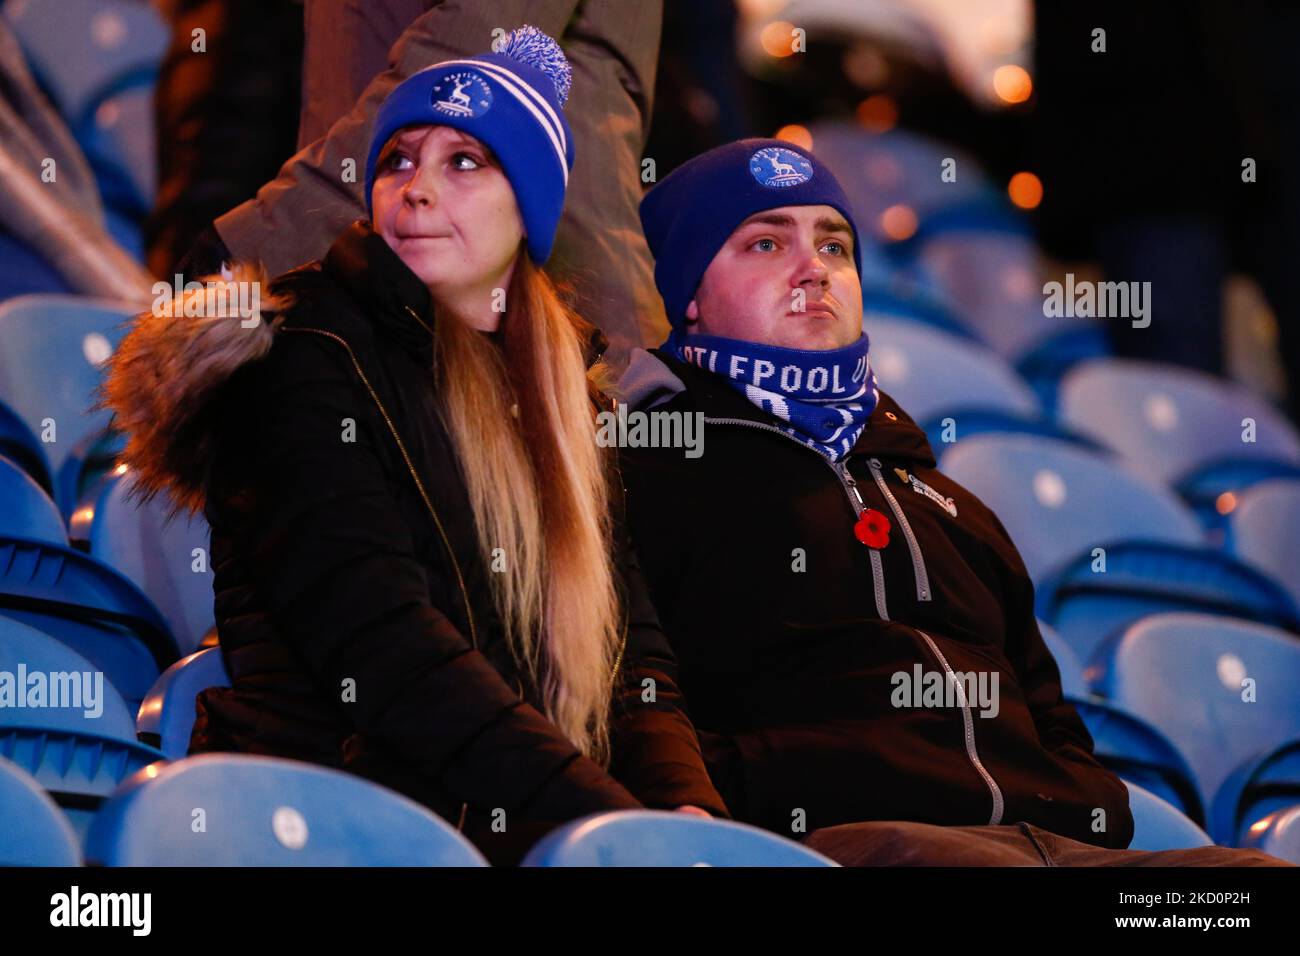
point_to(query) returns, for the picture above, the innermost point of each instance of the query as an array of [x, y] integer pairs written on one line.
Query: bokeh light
[[898, 222], [1025, 190], [777, 38], [794, 133], [878, 113], [1012, 83]]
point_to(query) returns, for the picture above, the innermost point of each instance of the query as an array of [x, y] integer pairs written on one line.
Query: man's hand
[[694, 811]]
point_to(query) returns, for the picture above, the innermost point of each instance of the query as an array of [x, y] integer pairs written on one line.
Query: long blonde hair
[[521, 422]]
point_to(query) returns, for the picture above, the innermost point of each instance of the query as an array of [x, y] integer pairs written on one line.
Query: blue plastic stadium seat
[[1060, 503], [891, 295], [261, 811], [1257, 788], [895, 169], [1180, 426], [78, 770], [1144, 578], [19, 445], [1264, 531], [82, 50], [120, 143], [167, 559], [1049, 360], [660, 838], [894, 291], [99, 61], [128, 233], [934, 375], [1277, 834], [167, 715], [1073, 684], [993, 272], [90, 607], [1139, 753], [1222, 691], [1159, 825], [33, 830], [26, 511], [880, 170], [87, 703], [24, 271], [52, 350]]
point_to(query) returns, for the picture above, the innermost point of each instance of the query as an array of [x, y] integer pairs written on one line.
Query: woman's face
[[443, 204]]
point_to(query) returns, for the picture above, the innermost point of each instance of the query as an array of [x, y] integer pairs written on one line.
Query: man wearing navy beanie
[[756, 257], [689, 215], [815, 572]]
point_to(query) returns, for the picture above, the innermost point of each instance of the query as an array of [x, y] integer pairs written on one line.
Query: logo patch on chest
[[921, 488]]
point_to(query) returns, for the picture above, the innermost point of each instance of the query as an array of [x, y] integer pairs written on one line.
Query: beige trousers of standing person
[[357, 51]]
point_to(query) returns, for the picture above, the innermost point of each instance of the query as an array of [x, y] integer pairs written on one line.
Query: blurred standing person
[[224, 113], [612, 46]]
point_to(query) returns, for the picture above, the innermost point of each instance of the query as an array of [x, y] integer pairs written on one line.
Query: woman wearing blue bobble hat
[[420, 570]]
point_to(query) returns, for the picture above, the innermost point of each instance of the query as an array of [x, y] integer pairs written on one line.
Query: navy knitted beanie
[[513, 101], [689, 215]]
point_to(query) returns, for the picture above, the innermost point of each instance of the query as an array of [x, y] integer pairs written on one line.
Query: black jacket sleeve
[[333, 561], [656, 752], [1060, 729]]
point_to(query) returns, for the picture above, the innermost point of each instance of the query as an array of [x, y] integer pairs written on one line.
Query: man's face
[[784, 277]]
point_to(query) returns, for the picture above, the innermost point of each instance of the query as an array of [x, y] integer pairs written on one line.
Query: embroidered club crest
[[465, 93], [776, 168]]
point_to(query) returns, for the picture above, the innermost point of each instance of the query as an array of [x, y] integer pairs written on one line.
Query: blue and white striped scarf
[[825, 397]]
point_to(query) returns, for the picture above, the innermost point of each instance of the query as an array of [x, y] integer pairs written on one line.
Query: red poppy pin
[[872, 529]]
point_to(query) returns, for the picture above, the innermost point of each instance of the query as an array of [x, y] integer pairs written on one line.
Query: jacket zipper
[[969, 723], [850, 486], [424, 496], [877, 570], [618, 661], [410, 467], [627, 610], [918, 562]]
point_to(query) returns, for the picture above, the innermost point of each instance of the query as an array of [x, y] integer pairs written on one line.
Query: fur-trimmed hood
[[163, 375]]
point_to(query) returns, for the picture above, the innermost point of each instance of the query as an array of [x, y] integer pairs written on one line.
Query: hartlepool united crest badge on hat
[[775, 167], [465, 94]]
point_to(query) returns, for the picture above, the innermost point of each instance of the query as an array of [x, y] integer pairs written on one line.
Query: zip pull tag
[[872, 528]]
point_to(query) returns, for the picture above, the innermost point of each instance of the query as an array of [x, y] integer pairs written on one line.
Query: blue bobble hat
[[689, 215], [513, 101]]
